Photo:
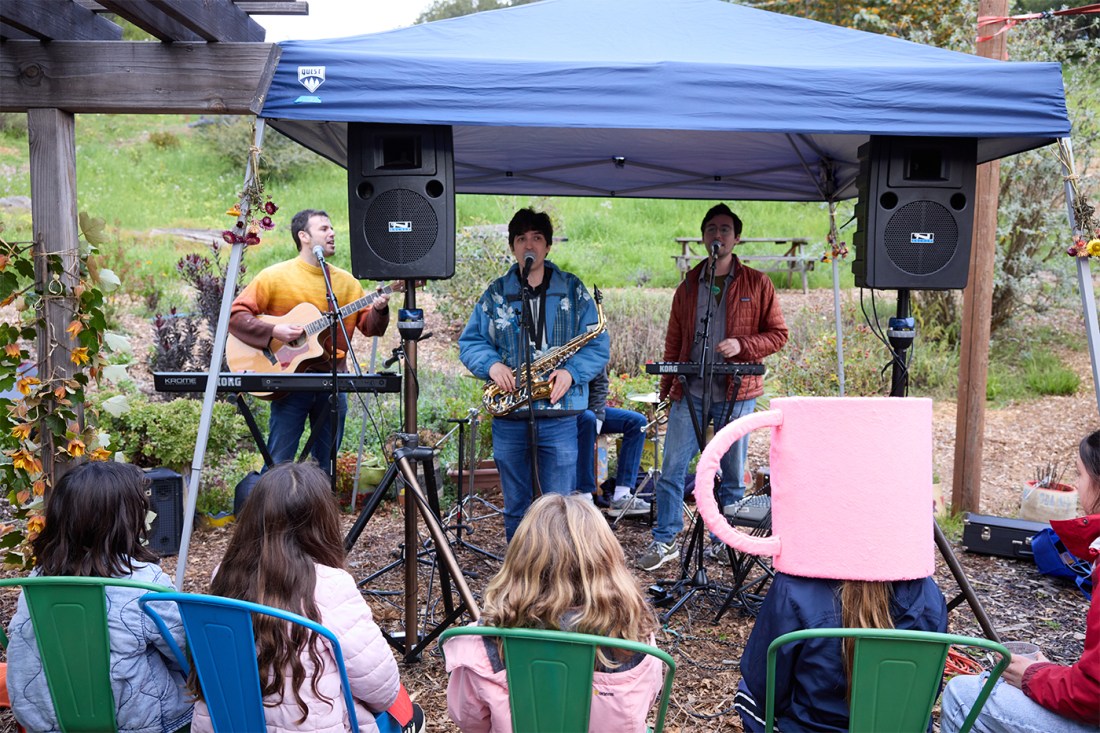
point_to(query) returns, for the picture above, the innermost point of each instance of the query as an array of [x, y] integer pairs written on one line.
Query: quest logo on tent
[[310, 77]]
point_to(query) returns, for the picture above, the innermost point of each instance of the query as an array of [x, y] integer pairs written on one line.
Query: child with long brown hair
[[564, 569], [95, 527], [1037, 694], [287, 552]]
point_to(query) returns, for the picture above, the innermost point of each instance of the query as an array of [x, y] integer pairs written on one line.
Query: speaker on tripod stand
[[401, 201], [915, 213]]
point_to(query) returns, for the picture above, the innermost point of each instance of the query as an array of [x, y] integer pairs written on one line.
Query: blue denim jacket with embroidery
[[493, 332]]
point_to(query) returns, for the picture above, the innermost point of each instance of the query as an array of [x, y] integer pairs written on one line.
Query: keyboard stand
[[754, 513]]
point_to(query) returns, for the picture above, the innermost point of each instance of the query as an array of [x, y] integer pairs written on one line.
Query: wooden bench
[[793, 260]]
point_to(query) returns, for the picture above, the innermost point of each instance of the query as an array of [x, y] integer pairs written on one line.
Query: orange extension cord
[[960, 663]]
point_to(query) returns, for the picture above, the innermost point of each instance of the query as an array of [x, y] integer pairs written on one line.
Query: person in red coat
[[1037, 694]]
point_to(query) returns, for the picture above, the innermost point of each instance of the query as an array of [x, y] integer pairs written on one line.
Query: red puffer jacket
[[752, 316], [1074, 691]]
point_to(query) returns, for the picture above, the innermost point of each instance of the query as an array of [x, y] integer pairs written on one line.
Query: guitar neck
[[314, 327]]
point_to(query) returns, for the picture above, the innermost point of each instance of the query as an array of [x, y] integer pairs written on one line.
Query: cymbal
[[649, 397]]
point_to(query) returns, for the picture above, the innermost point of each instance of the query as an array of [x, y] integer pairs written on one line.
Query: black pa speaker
[[401, 201], [165, 492], [915, 213]]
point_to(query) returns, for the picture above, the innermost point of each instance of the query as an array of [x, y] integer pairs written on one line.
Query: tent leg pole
[[1084, 272], [220, 335]]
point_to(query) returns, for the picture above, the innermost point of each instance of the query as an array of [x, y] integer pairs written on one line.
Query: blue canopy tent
[[690, 99], [658, 98]]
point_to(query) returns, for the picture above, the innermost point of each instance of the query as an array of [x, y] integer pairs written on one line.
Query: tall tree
[[443, 9]]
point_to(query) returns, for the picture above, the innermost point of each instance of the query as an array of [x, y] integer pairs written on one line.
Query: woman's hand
[[1014, 673]]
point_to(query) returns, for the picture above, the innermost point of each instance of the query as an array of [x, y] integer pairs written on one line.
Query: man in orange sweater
[[275, 292]]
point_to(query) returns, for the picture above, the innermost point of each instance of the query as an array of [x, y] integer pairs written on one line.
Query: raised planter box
[[486, 476]]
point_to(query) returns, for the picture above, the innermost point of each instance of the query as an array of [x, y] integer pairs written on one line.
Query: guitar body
[[278, 356]]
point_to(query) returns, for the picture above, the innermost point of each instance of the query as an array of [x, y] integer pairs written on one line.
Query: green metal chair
[[550, 675], [69, 616], [896, 676]]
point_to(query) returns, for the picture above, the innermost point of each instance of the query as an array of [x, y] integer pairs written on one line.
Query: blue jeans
[[631, 425], [557, 463], [680, 447], [291, 414], [1008, 710]]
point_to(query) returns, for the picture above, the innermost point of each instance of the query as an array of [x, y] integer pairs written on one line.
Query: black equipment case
[[1002, 536]]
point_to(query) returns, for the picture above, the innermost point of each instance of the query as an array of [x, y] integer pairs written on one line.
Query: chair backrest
[[550, 675], [222, 646], [69, 617], [896, 676]]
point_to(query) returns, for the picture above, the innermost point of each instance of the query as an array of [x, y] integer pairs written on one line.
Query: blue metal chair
[[222, 646]]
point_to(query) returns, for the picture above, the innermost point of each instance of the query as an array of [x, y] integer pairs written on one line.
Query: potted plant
[[214, 505], [371, 471], [1045, 497]]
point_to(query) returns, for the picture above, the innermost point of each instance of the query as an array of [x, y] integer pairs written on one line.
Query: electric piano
[[292, 382], [690, 368]]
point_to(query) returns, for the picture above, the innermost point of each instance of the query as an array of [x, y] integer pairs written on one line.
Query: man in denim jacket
[[490, 348]]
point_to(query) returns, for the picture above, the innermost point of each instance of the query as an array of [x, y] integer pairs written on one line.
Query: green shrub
[[164, 433], [481, 256], [637, 320], [281, 159], [164, 139], [1045, 374]]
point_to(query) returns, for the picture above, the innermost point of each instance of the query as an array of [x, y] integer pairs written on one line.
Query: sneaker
[[628, 506], [657, 554], [417, 724], [719, 552], [584, 497]]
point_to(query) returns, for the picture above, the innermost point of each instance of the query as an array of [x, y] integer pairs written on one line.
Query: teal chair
[[222, 646], [896, 676], [69, 616], [550, 675]]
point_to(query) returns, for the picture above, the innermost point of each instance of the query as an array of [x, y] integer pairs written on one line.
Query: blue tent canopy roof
[[658, 98]]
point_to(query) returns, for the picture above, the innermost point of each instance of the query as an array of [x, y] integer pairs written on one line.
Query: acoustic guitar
[[294, 356]]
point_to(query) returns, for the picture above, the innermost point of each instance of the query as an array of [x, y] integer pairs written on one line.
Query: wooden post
[[966, 492], [51, 133]]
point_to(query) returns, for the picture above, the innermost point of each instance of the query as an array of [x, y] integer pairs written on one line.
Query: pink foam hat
[[851, 482]]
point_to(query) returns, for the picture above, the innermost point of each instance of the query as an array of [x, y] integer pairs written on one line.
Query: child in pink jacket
[[287, 551], [565, 570]]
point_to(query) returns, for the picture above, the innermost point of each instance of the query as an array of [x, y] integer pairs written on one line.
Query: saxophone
[[498, 402]]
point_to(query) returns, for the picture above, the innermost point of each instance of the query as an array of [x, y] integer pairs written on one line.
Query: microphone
[[528, 261], [716, 246], [319, 253]]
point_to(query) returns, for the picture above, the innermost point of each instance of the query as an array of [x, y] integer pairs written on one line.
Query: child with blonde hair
[[564, 569], [287, 551]]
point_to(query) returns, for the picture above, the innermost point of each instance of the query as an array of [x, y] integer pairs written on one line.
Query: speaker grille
[[924, 217], [401, 247]]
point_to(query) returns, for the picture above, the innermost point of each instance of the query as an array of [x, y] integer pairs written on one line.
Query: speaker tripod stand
[[412, 641], [901, 332]]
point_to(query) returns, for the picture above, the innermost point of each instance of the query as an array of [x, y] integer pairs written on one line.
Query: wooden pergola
[[59, 58]]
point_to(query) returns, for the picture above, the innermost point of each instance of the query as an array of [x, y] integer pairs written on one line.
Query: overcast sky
[[335, 18]]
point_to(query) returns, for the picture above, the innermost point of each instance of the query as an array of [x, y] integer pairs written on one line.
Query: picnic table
[[794, 258]]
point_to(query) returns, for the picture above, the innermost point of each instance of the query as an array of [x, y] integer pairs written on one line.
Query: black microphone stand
[[334, 395], [526, 329], [693, 573], [902, 332]]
